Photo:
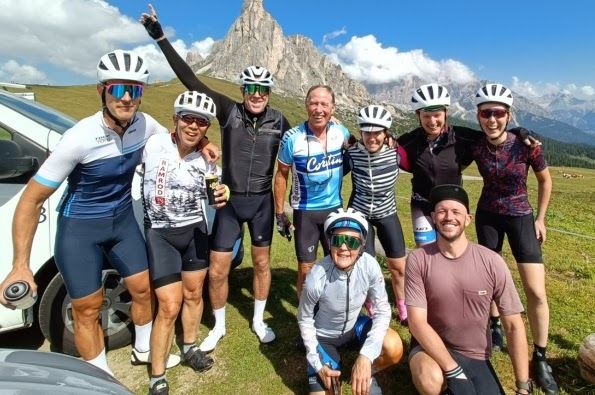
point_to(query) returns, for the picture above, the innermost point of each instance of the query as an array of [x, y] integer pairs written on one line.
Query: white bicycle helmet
[[430, 96], [122, 65], [494, 93], [257, 75], [374, 118], [195, 103], [346, 219]]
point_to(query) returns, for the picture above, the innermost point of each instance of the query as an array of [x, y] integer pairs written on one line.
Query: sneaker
[[264, 333], [159, 388], [497, 338], [144, 358], [542, 373], [210, 342], [198, 360]]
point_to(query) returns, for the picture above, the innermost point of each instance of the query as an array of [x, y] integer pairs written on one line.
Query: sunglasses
[[251, 89], [189, 119], [352, 242], [119, 90], [496, 112]]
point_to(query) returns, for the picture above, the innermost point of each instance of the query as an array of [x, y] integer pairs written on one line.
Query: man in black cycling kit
[[250, 135]]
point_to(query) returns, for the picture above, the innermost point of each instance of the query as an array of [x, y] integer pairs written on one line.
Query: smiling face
[[190, 129], [122, 109], [373, 140], [433, 122], [493, 119], [451, 219], [320, 106], [343, 256], [256, 102]]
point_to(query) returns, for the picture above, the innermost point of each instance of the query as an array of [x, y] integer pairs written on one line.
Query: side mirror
[[12, 162]]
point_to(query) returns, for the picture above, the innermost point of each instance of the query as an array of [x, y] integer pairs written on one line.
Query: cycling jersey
[[338, 297], [99, 165], [374, 176], [174, 188], [317, 172], [249, 142], [504, 170], [439, 161]]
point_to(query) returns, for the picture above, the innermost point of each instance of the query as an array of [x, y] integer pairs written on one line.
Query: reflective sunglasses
[[352, 242], [496, 112], [190, 118], [251, 89], [119, 90]]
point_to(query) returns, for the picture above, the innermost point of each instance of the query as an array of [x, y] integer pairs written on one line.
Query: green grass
[[244, 366]]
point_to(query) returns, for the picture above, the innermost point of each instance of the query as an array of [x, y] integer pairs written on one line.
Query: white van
[[29, 131]]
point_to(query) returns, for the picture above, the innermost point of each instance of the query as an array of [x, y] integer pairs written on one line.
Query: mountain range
[[256, 38]]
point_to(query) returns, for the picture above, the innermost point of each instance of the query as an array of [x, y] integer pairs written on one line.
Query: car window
[[38, 112]]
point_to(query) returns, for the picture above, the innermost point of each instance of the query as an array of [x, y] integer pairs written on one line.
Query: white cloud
[[365, 59], [12, 71], [539, 89], [73, 34], [159, 68], [332, 35]]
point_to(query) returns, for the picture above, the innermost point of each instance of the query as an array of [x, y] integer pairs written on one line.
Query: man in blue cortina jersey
[[313, 152]]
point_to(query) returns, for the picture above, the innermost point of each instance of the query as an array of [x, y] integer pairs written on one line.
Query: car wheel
[[55, 314]]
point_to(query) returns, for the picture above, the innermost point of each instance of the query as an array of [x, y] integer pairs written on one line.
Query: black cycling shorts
[[173, 250], [479, 371], [390, 234], [256, 210], [520, 231], [81, 244], [328, 349], [309, 230]]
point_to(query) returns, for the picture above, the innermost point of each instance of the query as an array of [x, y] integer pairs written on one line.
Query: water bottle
[[19, 295]]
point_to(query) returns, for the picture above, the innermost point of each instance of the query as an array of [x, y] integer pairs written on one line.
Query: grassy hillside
[[244, 366]]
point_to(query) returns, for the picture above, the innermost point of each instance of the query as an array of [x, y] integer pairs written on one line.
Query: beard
[[451, 237]]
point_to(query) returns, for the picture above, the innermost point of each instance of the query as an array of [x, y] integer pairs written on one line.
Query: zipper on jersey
[[346, 303], [255, 127]]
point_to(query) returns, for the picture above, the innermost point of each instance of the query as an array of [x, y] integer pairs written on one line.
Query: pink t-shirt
[[457, 294]]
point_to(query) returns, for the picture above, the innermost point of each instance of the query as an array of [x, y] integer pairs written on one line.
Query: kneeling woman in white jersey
[[174, 193]]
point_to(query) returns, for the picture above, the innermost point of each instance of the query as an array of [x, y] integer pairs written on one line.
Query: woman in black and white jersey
[[374, 170]]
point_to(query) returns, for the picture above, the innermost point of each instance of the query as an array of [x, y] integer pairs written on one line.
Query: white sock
[[259, 306], [219, 318], [142, 338], [101, 362]]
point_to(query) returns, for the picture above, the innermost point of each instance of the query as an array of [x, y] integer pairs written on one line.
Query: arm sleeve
[[381, 318], [61, 162], [537, 159], [403, 158], [308, 300], [191, 81], [347, 162]]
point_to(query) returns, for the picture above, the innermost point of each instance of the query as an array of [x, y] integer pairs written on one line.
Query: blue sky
[[532, 46]]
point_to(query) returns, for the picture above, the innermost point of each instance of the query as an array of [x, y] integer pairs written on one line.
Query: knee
[[193, 295], [88, 311], [537, 296], [394, 349], [140, 292], [169, 308], [427, 380]]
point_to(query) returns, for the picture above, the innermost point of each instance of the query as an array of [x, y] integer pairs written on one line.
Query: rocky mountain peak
[[255, 38]]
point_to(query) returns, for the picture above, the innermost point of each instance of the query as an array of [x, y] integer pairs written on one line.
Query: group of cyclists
[[99, 156]]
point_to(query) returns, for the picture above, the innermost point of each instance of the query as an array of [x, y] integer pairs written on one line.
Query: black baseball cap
[[449, 192]]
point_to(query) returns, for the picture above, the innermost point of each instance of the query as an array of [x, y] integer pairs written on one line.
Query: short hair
[[328, 89]]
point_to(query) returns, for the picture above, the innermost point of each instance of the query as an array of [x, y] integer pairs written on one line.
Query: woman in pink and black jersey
[[503, 208]]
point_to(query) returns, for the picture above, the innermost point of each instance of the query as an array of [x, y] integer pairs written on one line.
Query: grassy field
[[245, 366]]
